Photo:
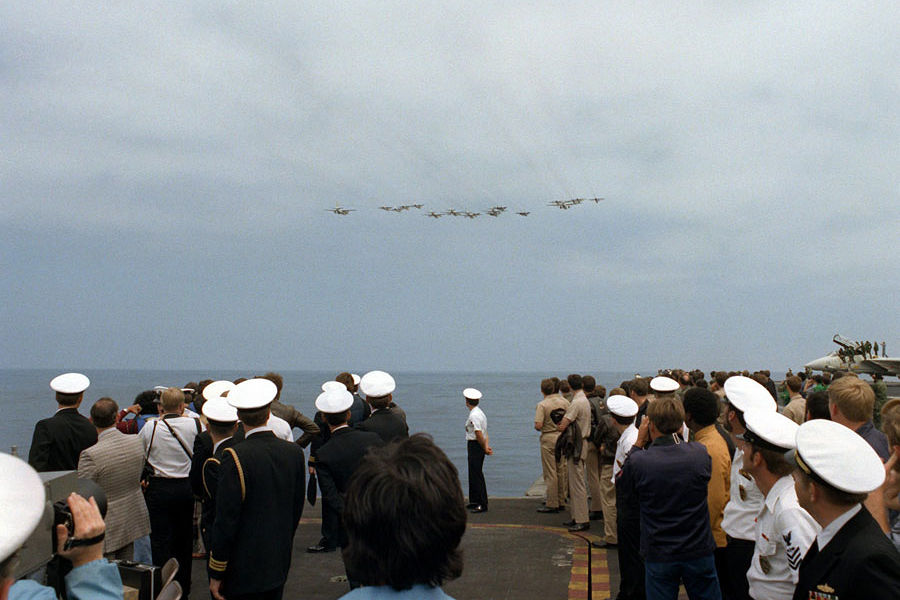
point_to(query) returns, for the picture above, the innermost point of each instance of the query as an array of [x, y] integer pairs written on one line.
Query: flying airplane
[[498, 208], [561, 204], [851, 360], [524, 213], [494, 212], [575, 201], [471, 215], [434, 215], [340, 210], [453, 212], [386, 208], [417, 206], [596, 200]]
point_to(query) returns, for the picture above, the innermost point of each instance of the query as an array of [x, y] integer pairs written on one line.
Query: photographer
[[22, 503]]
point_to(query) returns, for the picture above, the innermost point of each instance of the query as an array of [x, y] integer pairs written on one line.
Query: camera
[[41, 545]]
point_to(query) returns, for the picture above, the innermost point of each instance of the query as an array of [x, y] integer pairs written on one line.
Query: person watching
[[22, 502]]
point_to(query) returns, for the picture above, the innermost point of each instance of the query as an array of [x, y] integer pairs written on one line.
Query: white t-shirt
[[280, 428], [626, 441], [476, 422], [167, 456]]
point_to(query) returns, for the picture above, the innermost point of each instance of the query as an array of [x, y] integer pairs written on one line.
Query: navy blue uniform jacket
[[668, 481]]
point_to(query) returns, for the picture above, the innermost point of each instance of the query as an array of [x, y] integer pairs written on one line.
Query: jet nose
[[817, 365]]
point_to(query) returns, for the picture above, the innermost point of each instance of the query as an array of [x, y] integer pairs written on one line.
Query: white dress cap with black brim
[[769, 430], [663, 384], [376, 384], [69, 383], [829, 452], [747, 394], [471, 394], [253, 393], [217, 388], [333, 386], [22, 503], [622, 406], [218, 410], [334, 401]]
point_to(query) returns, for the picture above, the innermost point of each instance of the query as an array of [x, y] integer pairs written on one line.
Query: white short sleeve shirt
[[477, 421]]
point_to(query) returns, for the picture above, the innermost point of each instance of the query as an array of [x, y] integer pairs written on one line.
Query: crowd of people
[[229, 448], [733, 486]]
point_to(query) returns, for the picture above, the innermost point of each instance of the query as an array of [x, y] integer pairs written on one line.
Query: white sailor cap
[[333, 386], [376, 384], [747, 394], [334, 401], [770, 430], [663, 384], [355, 378], [218, 409], [253, 393], [471, 394], [22, 502], [829, 452], [69, 383], [622, 406], [217, 388]]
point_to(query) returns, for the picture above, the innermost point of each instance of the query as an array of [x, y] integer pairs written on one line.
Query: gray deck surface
[[511, 551]]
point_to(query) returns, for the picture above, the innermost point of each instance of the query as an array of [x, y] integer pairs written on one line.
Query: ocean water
[[433, 403]]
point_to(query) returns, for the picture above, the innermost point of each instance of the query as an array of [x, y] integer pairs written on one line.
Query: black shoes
[[471, 505], [319, 548], [579, 527], [570, 523], [549, 509], [595, 515], [477, 508], [602, 544]]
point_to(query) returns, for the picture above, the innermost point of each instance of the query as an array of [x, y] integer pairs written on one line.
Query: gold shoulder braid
[[237, 463]]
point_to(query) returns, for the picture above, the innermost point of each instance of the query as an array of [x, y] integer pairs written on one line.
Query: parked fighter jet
[[848, 359]]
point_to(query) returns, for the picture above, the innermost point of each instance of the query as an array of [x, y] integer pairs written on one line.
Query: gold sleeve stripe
[[203, 473], [217, 565], [237, 463]]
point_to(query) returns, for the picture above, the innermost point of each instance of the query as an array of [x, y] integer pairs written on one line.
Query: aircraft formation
[[494, 211]]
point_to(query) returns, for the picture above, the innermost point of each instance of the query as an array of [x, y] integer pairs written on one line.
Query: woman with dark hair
[[405, 517]]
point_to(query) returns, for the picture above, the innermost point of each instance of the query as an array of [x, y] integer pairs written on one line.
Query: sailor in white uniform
[[784, 531]]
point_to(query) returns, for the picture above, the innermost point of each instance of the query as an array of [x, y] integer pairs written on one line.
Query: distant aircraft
[[575, 201], [340, 211], [434, 215], [857, 363], [596, 200], [417, 206], [494, 212], [387, 208], [561, 204], [453, 212], [498, 208], [524, 213], [471, 215]]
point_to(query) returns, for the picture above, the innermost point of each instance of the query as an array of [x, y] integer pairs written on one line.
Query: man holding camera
[[22, 503]]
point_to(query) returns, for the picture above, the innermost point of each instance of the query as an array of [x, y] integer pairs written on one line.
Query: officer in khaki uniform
[[555, 484], [784, 531], [579, 413]]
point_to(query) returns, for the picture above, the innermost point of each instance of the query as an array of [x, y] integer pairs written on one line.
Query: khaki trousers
[[592, 467], [608, 504], [554, 477], [578, 507]]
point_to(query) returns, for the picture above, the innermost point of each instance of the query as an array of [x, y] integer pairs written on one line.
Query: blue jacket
[[96, 580], [668, 481]]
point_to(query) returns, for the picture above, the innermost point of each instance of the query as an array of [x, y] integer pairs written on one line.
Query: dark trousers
[[631, 564], [331, 525], [698, 575], [733, 569], [170, 503], [477, 487]]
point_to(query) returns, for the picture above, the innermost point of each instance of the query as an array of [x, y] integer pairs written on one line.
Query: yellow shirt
[[717, 491]]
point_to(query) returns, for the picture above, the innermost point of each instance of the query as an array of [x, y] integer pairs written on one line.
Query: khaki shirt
[[580, 413], [795, 409], [545, 407], [718, 488]]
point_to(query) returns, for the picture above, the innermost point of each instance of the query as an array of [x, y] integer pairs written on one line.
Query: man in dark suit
[[222, 432], [851, 557], [339, 457], [259, 502], [58, 441], [378, 387]]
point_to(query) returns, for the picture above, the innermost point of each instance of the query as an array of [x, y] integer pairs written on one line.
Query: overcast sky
[[166, 172]]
